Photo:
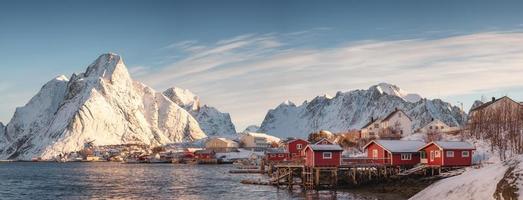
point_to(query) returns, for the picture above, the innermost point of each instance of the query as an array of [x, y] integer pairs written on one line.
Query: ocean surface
[[105, 180]]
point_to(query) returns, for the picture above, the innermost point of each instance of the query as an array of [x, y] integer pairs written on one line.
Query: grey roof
[[455, 145], [325, 147], [399, 146], [275, 150]]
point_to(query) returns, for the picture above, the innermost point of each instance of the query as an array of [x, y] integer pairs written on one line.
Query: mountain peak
[[390, 89], [108, 66], [287, 103], [61, 78], [183, 97]]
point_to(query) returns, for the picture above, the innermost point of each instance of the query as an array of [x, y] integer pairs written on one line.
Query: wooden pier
[[290, 175]]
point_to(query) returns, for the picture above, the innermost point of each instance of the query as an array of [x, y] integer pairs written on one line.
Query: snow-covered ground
[[493, 178], [242, 154], [492, 181], [473, 184]]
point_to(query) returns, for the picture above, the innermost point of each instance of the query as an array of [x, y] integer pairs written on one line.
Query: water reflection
[[141, 181]]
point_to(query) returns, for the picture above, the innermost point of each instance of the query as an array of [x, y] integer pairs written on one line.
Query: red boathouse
[[448, 153], [394, 152], [295, 148], [204, 154], [276, 155], [323, 155]]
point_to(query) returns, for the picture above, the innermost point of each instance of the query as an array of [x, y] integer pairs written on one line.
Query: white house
[[221, 145], [258, 141], [397, 124], [437, 126]]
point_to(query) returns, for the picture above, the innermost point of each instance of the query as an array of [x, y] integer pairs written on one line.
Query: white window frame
[[465, 156], [406, 156], [272, 155], [374, 153], [437, 154], [280, 155], [325, 155], [299, 146], [450, 154]]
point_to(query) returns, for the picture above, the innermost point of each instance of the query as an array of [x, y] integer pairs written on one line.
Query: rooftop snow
[[263, 135], [401, 145], [275, 150], [325, 147], [455, 145]]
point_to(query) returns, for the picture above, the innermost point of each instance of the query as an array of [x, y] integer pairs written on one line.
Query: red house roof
[[324, 147], [398, 146], [295, 140], [454, 145]]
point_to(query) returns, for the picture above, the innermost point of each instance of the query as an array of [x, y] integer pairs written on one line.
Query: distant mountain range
[[352, 110], [105, 106]]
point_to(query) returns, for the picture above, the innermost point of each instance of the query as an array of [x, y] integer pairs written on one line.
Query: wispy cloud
[[248, 74]]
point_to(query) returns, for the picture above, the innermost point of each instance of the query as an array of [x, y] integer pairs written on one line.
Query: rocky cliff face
[[352, 110], [211, 120], [103, 105]]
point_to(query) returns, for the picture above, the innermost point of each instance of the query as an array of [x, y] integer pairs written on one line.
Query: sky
[[246, 57]]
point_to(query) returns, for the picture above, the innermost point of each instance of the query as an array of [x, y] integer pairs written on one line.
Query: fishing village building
[[323, 155], [396, 124], [448, 153], [257, 141], [437, 126], [276, 155], [295, 148], [394, 152], [221, 145]]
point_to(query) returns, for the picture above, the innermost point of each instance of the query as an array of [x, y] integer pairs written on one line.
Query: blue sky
[[246, 57]]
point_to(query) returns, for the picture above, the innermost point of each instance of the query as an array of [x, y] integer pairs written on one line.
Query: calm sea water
[[21, 180]]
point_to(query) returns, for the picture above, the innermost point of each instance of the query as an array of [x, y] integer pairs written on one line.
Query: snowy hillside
[[494, 181], [352, 110], [211, 120], [103, 105]]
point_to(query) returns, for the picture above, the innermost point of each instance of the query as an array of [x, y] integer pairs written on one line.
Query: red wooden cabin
[[394, 152], [323, 155], [276, 155], [204, 154], [448, 153], [295, 148]]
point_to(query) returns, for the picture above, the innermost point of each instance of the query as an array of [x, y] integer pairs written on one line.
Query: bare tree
[[501, 124]]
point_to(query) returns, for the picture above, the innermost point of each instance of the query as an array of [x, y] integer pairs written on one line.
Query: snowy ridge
[[351, 110], [183, 97], [103, 105], [211, 120], [396, 91]]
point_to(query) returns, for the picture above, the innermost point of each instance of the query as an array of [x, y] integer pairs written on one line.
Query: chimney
[[396, 109], [493, 99], [371, 119], [432, 119]]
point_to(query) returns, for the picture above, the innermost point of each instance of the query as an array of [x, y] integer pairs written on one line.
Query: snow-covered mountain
[[211, 120], [103, 105], [352, 110], [396, 91]]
